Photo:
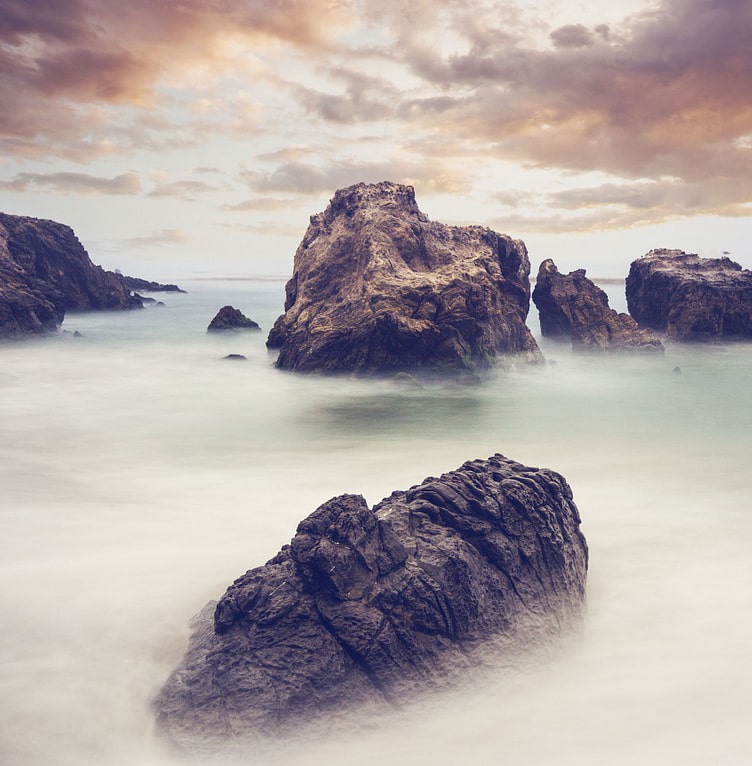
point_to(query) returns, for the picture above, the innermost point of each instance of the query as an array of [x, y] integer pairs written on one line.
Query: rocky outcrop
[[368, 607], [230, 318], [691, 298], [571, 307], [378, 287], [44, 272], [146, 286]]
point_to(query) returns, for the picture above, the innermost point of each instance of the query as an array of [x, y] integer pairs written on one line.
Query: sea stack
[[44, 272], [378, 287], [572, 307], [691, 298], [368, 607]]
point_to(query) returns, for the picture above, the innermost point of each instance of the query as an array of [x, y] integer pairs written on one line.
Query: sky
[[195, 138]]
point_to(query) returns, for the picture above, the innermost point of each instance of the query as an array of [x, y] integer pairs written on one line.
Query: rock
[[229, 318], [134, 283], [44, 272], [691, 298], [377, 287], [235, 357], [572, 307], [366, 608]]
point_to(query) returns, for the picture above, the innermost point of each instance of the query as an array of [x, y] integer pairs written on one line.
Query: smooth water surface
[[140, 473]]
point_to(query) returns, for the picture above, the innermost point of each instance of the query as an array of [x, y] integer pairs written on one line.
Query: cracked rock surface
[[367, 607], [378, 287]]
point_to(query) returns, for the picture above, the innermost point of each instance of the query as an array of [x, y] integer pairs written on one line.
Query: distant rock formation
[[230, 318], [368, 607], [571, 307], [691, 298], [377, 287], [44, 272], [144, 285]]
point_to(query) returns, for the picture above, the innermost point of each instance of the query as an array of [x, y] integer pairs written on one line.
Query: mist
[[141, 474]]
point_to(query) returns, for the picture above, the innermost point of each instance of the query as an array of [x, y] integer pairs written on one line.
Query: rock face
[[230, 318], [366, 607], [377, 287], [691, 298], [44, 272], [570, 306]]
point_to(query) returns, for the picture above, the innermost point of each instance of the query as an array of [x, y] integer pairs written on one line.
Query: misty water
[[140, 474]]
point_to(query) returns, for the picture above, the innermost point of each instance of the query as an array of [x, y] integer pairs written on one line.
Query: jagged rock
[[377, 287], [44, 272], [230, 318], [134, 283], [690, 298], [570, 306], [367, 607]]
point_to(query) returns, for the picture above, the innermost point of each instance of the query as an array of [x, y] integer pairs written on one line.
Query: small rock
[[230, 318]]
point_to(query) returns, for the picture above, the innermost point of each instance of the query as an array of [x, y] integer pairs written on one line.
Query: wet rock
[[235, 357], [572, 307], [230, 318], [44, 272], [367, 607], [691, 298], [378, 287]]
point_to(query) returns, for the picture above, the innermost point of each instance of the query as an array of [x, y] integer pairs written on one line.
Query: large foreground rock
[[572, 307], [378, 287], [44, 272], [367, 607], [691, 298]]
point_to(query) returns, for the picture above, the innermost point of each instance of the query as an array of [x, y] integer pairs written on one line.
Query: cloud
[[60, 61], [268, 229], [263, 204], [307, 178], [161, 238], [79, 183], [572, 36], [184, 190]]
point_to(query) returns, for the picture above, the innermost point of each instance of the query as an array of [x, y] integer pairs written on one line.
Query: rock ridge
[[378, 287], [365, 608]]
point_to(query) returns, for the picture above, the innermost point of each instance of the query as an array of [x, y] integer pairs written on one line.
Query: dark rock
[[691, 298], [235, 356], [570, 306], [368, 607], [44, 272], [377, 287], [229, 318], [134, 283]]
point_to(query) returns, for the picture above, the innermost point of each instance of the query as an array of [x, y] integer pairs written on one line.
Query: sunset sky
[[197, 137]]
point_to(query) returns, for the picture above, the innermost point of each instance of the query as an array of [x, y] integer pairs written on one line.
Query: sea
[[141, 473]]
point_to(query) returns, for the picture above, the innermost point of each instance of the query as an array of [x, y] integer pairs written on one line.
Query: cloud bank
[[657, 105]]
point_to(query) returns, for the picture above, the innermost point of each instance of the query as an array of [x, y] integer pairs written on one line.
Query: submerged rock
[[572, 307], [691, 298], [377, 287], [367, 607], [44, 272], [230, 318]]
